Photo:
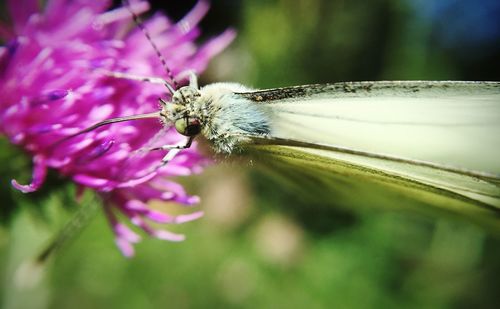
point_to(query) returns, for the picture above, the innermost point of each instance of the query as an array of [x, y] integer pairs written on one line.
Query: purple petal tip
[[166, 235], [23, 188], [125, 247], [190, 217]]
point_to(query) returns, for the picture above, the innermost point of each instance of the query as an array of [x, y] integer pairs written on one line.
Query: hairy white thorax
[[226, 118]]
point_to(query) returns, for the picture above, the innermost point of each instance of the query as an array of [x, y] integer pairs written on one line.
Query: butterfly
[[436, 142]]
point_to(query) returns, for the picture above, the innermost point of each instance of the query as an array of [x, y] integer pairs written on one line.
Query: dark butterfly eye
[[188, 126]]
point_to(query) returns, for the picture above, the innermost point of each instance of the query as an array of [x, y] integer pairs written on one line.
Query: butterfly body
[[224, 117], [441, 134]]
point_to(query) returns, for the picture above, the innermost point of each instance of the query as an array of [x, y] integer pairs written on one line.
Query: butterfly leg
[[180, 146], [153, 80], [193, 80], [173, 150], [191, 74]]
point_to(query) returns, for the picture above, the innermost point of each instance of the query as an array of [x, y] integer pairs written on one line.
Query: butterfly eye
[[188, 126]]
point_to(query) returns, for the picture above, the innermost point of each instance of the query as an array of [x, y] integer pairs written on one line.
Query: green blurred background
[[262, 244]]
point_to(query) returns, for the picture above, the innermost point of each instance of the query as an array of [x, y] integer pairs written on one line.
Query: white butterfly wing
[[437, 137]]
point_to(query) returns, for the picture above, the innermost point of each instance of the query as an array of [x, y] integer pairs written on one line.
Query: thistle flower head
[[52, 86]]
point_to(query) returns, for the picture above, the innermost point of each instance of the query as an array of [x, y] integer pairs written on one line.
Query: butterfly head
[[183, 111]]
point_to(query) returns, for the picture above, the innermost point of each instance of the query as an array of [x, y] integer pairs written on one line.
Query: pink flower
[[52, 85]]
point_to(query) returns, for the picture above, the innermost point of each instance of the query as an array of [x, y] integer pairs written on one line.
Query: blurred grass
[[261, 245]]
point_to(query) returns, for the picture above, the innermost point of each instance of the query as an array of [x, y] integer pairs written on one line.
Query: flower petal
[[190, 217], [166, 235], [39, 174], [125, 247]]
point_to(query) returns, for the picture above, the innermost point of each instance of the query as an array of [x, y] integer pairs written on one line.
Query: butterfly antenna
[[141, 26], [106, 122]]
